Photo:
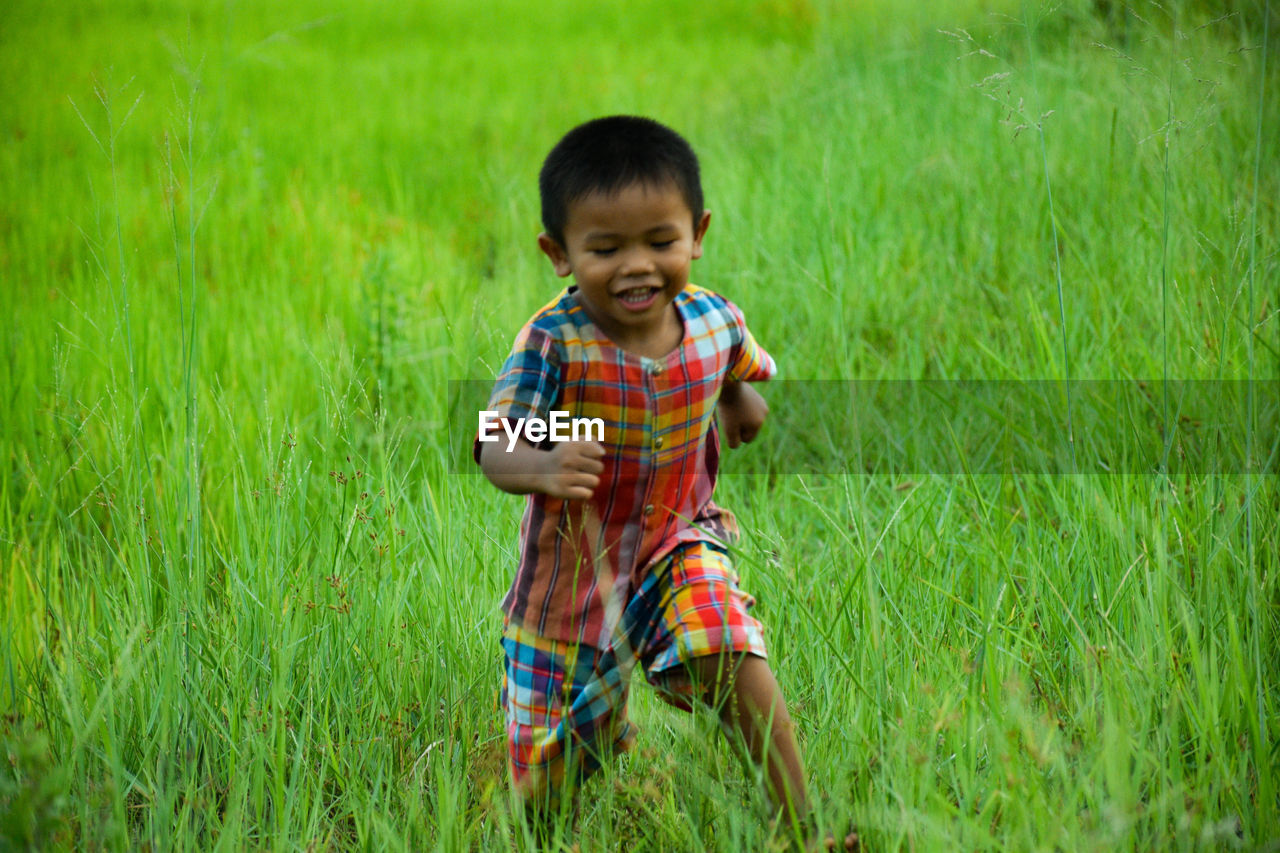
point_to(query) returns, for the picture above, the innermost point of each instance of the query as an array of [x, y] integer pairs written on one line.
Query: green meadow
[[249, 583]]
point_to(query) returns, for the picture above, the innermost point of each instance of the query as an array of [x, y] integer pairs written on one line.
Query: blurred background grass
[[245, 247]]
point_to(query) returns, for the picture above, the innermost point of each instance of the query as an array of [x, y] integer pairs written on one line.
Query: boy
[[623, 553]]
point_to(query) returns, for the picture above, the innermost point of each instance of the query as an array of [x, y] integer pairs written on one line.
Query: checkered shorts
[[566, 703]]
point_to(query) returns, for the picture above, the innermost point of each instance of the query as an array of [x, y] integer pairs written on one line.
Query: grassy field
[[249, 594]]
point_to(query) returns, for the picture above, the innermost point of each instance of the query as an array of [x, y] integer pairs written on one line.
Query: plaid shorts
[[566, 703]]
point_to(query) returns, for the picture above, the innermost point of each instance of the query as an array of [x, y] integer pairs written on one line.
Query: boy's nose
[[637, 261]]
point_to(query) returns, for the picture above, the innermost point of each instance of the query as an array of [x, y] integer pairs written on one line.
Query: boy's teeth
[[638, 295]]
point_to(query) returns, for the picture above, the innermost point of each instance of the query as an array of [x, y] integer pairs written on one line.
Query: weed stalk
[[1262, 756], [1029, 27]]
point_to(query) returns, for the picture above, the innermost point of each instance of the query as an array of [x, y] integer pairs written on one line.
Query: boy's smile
[[629, 253]]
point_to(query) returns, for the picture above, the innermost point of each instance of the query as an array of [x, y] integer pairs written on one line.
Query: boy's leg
[[711, 650], [744, 692]]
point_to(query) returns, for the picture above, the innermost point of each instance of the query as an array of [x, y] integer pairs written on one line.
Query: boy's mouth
[[638, 298]]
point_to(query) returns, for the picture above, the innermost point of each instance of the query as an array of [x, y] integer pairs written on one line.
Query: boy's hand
[[741, 414], [571, 469]]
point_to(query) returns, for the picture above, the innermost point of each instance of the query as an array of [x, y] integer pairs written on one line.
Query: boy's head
[[608, 154]]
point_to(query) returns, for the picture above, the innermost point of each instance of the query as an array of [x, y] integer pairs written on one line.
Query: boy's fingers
[[579, 480], [579, 456], [579, 486], [585, 456]]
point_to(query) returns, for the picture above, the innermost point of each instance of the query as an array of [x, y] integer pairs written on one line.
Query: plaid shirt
[[579, 560]]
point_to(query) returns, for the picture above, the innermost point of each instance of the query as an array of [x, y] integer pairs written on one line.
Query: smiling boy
[[623, 553]]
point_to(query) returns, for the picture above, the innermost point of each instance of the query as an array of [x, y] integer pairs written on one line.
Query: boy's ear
[[553, 250], [700, 231]]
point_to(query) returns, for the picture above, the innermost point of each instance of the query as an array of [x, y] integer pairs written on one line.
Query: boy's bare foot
[[852, 843], [820, 841], [815, 841]]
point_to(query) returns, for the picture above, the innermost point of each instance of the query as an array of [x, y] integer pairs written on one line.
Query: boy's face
[[629, 253]]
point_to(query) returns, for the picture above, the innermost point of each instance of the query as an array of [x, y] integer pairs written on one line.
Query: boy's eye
[[603, 251], [664, 244]]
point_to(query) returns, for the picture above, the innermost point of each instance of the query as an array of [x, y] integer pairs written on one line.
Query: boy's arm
[[570, 470], [741, 412]]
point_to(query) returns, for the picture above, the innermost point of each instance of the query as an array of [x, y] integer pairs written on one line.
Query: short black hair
[[607, 154]]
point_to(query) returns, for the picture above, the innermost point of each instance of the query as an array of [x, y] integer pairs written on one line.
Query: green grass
[[250, 602]]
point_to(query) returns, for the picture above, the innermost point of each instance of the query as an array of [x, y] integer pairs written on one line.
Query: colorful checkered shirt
[[580, 559]]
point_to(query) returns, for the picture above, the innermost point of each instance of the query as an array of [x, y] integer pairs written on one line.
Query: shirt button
[[648, 509], [657, 442], [655, 369]]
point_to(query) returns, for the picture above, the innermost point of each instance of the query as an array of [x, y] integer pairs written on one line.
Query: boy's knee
[[713, 679], [727, 684]]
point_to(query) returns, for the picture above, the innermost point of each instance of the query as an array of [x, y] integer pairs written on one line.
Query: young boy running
[[623, 556]]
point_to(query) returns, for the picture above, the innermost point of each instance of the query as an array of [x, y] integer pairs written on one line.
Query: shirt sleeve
[[750, 362], [528, 384]]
